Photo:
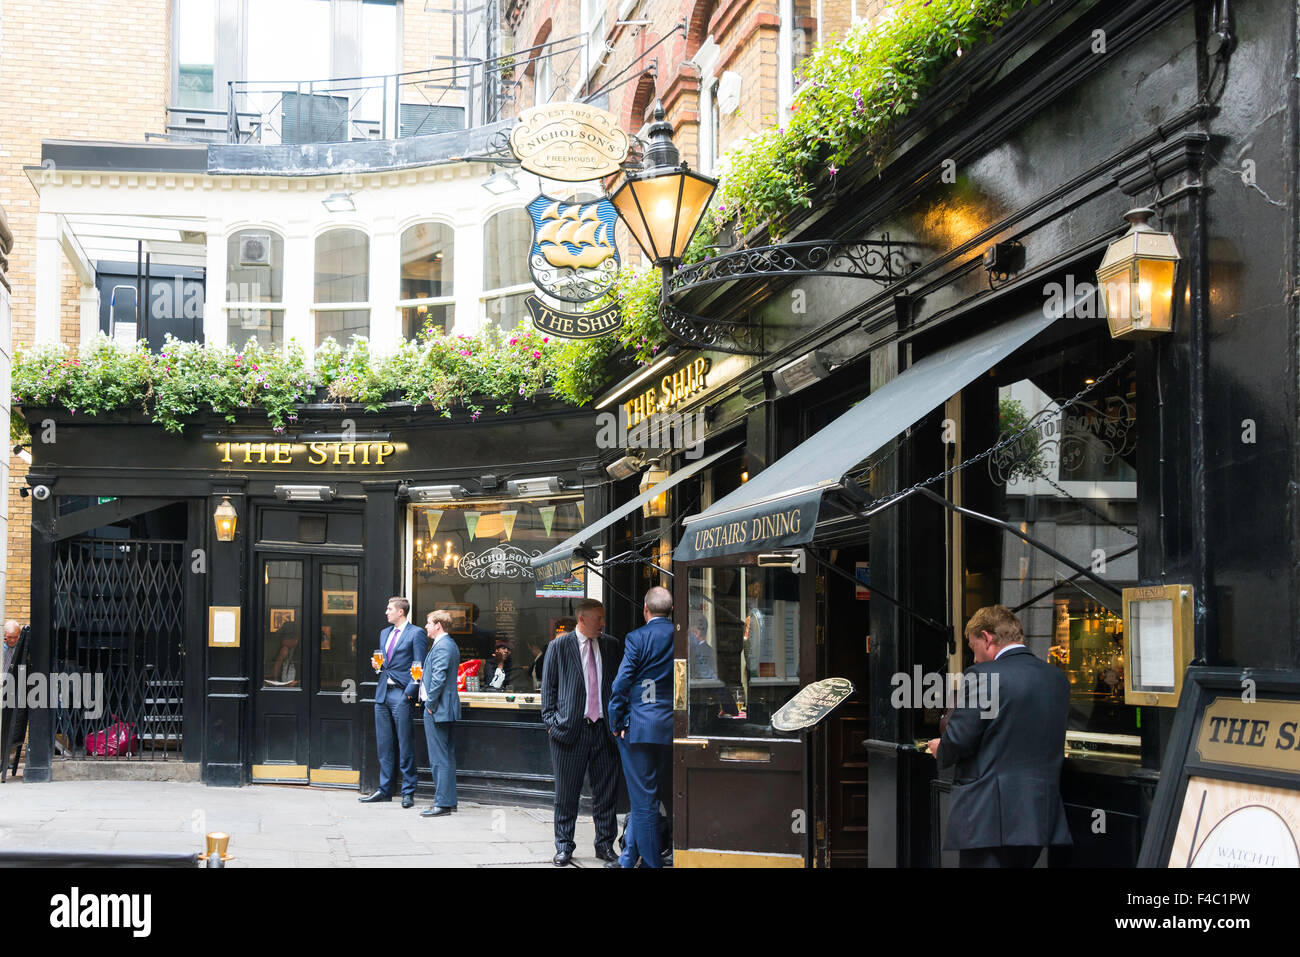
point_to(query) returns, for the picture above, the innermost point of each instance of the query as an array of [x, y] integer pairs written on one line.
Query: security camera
[[41, 493]]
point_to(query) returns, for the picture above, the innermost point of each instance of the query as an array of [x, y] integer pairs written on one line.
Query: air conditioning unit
[[255, 249]]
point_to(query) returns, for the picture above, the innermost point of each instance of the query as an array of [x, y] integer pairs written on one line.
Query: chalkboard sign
[[812, 704]]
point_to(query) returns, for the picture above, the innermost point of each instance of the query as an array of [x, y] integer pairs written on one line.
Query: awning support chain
[[924, 619], [1009, 440], [1088, 508], [630, 557]]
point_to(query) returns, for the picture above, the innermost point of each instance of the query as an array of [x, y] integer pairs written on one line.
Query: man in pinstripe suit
[[576, 680]]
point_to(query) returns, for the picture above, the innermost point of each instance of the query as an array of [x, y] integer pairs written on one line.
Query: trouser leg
[[405, 741], [569, 762], [602, 768], [445, 776], [386, 742]]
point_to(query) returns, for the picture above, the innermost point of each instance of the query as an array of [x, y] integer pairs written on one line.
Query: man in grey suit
[[576, 680], [1006, 795], [441, 711]]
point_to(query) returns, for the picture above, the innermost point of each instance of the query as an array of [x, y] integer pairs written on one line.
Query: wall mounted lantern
[[1136, 277], [225, 518], [663, 202], [657, 507]]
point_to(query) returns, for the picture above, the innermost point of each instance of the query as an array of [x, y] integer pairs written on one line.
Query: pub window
[[507, 239], [473, 561], [427, 270], [255, 274], [342, 285], [1070, 483]]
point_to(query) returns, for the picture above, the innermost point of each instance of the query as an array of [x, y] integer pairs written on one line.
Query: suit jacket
[[440, 672], [1007, 786], [564, 686], [411, 647], [647, 656]]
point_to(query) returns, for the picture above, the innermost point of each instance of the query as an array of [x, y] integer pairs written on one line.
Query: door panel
[[739, 788], [281, 707], [305, 710]]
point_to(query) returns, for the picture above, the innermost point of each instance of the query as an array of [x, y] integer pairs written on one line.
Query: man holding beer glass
[[401, 644], [441, 710]]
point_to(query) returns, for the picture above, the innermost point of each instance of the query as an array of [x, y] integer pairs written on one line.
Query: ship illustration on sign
[[573, 255]]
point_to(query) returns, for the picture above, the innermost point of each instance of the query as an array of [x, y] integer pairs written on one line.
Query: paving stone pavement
[[277, 826]]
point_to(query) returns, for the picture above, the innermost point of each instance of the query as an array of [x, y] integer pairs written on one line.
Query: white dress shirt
[[585, 647], [1002, 651]]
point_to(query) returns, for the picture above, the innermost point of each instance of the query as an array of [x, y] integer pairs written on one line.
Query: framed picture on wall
[[338, 602], [280, 617], [461, 617]]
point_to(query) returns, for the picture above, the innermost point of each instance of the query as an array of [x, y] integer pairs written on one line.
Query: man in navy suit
[[403, 644], [1007, 740], [441, 711], [576, 679], [641, 714]]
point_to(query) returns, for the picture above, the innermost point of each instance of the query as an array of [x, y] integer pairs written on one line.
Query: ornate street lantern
[[1136, 277], [664, 201], [657, 507]]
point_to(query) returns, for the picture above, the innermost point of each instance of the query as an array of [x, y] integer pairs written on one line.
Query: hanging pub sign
[[573, 325], [571, 142], [573, 255]]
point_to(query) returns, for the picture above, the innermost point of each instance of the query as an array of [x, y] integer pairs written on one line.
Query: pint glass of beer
[[377, 659], [417, 671]]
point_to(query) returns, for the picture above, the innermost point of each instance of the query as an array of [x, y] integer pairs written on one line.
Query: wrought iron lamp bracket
[[879, 260]]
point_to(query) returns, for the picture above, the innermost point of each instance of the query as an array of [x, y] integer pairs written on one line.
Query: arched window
[[342, 285], [507, 238], [428, 251], [255, 274]]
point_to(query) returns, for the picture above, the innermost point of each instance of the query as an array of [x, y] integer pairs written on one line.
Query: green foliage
[[1026, 456], [184, 379], [852, 92]]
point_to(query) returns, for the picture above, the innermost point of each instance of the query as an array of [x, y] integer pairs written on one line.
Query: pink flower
[[514, 341], [537, 355]]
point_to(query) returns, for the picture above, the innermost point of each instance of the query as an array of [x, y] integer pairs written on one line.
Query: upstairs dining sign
[[573, 257]]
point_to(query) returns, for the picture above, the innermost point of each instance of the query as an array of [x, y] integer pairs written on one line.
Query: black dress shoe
[[562, 858], [375, 798], [614, 863], [437, 811], [408, 800], [608, 854]]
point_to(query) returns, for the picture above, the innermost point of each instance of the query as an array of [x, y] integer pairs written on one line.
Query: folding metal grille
[[118, 621]]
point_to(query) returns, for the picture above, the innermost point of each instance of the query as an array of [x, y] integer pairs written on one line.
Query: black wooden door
[[305, 722]]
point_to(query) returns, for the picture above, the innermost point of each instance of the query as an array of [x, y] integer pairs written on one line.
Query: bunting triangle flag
[[582, 511], [434, 517], [508, 520], [548, 517], [471, 523]]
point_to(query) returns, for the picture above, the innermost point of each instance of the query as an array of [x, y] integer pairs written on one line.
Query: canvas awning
[[558, 562], [778, 508]]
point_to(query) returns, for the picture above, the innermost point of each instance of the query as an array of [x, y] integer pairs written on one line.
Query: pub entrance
[[306, 610]]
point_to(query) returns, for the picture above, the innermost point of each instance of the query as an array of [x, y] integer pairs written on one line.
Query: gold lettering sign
[[581, 325], [312, 453], [1264, 733], [569, 141], [754, 530], [674, 388]]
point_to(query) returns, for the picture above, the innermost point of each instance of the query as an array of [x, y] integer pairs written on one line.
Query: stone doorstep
[[111, 769]]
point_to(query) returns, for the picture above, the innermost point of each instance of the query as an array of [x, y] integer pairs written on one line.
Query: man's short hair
[[401, 603], [587, 604], [12, 627], [659, 601], [442, 616], [999, 621]]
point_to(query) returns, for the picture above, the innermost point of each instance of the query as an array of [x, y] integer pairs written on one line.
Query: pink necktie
[[392, 642], [593, 683]]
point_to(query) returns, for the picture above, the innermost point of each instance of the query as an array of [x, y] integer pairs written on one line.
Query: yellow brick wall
[[428, 34]]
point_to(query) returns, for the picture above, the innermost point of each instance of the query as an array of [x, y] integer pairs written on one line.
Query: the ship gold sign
[[573, 256], [573, 325], [571, 142]]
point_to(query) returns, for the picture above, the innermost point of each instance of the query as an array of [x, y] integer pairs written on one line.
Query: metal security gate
[[117, 628]]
